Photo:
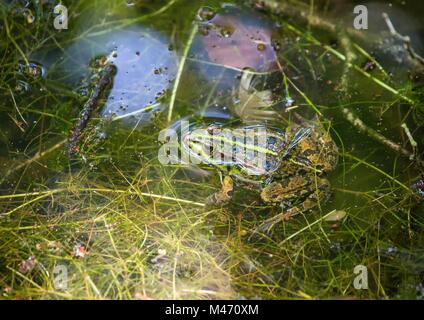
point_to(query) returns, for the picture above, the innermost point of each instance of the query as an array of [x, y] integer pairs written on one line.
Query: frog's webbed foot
[[223, 196]]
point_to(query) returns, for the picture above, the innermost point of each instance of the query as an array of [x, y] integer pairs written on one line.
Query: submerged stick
[[361, 126], [106, 78], [405, 39]]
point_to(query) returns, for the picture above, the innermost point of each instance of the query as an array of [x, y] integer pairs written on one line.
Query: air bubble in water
[[32, 70]]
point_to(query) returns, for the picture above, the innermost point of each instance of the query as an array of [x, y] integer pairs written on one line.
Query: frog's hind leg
[[223, 196], [314, 199]]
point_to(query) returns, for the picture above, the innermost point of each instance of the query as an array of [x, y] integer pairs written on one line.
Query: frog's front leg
[[294, 197], [223, 196]]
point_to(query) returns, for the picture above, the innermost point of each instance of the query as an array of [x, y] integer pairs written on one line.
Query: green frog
[[287, 167]]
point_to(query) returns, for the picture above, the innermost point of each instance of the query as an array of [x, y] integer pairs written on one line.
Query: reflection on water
[[145, 69], [237, 38], [235, 54]]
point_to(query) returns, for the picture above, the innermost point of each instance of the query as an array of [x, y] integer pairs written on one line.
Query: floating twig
[[105, 80]]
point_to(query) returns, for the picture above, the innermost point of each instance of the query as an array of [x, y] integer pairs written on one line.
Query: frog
[[293, 171]]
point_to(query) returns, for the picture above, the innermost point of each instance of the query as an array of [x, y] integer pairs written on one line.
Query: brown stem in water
[[105, 80], [361, 126]]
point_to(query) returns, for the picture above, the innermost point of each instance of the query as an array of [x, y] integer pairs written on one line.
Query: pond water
[[182, 59]]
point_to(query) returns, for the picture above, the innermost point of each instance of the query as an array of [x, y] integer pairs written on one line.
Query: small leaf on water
[[336, 215]]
